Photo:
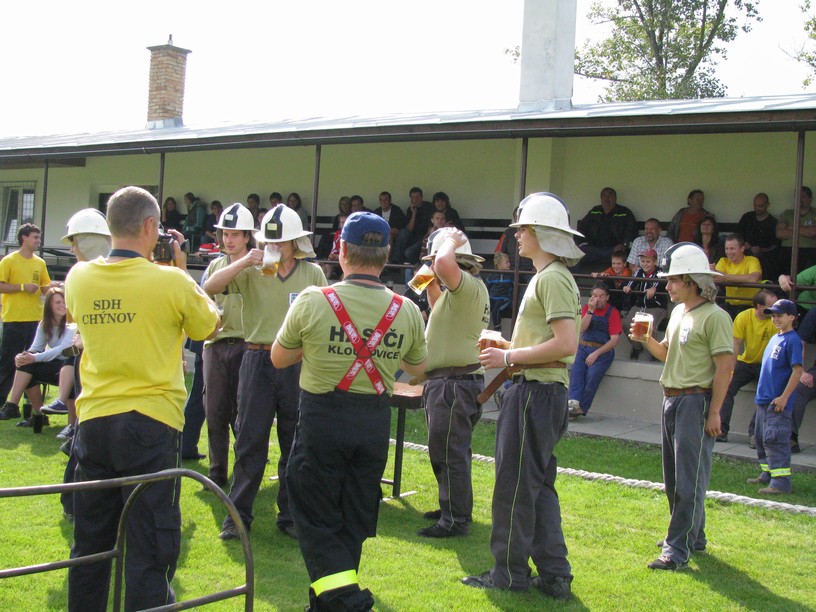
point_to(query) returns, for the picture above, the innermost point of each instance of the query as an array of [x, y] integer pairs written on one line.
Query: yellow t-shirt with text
[[133, 316]]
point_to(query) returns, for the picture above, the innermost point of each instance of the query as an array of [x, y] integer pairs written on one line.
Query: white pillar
[[547, 54]]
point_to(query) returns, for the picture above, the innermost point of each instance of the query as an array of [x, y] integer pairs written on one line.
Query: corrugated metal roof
[[770, 113]]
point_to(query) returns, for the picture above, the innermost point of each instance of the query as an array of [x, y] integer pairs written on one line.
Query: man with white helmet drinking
[[268, 279]]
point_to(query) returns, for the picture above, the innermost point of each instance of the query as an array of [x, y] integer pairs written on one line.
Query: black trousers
[[222, 366], [338, 458], [111, 447], [743, 374], [17, 337], [264, 394]]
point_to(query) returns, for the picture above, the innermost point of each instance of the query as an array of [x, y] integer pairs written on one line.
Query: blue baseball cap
[[360, 223], [782, 307]]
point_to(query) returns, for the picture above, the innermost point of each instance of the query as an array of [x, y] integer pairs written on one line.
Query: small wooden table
[[405, 397]]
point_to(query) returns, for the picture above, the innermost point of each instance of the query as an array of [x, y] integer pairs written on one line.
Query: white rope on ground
[[652, 486]]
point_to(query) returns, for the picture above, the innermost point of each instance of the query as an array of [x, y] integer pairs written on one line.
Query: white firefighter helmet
[[685, 258], [236, 217], [436, 239], [86, 221], [282, 224], [545, 210]]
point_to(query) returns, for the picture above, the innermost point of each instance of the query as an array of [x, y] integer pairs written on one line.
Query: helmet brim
[[568, 230], [709, 272]]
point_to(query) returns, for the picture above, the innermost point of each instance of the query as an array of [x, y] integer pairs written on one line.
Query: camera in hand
[[163, 251]]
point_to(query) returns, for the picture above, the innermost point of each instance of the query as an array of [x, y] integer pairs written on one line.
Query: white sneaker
[[67, 432], [574, 405]]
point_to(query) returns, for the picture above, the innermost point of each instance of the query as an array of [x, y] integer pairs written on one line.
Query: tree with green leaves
[[663, 49], [808, 55]]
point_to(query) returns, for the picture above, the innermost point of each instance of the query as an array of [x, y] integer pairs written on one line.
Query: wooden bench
[[405, 397]]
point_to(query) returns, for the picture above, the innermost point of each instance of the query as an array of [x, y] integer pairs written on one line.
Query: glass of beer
[[271, 261], [422, 279], [642, 325], [492, 338]]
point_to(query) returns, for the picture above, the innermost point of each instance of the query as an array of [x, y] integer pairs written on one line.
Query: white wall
[[652, 174]]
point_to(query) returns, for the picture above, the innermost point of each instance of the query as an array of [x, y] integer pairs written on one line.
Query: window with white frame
[[16, 207]]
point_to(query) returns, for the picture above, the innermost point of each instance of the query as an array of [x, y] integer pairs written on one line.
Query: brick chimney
[[165, 103]]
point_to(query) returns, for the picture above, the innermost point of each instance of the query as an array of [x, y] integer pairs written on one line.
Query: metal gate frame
[[142, 482]]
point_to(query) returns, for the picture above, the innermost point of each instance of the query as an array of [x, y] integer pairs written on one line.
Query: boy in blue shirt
[[776, 392]]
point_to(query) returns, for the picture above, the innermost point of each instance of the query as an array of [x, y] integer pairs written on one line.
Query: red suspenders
[[362, 350]]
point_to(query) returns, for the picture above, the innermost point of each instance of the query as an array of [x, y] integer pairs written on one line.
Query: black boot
[[9, 411], [37, 421]]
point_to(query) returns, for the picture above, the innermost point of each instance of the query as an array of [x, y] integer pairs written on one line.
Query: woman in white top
[[42, 362]]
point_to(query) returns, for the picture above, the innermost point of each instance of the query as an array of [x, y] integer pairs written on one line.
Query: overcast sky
[[83, 66]]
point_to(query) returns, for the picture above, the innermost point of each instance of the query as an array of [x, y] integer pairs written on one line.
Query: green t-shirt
[[327, 353], [807, 220], [693, 338], [266, 300], [456, 322], [552, 294], [229, 304], [807, 277]]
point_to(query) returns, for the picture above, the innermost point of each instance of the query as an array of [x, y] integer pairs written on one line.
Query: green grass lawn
[[757, 559]]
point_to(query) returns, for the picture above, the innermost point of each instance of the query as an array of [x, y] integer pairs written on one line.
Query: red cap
[[649, 253]]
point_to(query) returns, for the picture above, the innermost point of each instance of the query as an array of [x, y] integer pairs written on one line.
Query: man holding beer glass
[[269, 279], [534, 415], [697, 352], [458, 316]]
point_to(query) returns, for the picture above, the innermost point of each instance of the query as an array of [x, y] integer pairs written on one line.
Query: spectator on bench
[[643, 296], [708, 237], [607, 227], [758, 227], [500, 289], [807, 233], [600, 330], [686, 220], [441, 203], [391, 213], [650, 240], [410, 238], [618, 268], [752, 330], [737, 267]]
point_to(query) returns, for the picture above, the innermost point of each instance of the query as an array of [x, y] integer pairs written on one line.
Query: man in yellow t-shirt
[[737, 267], [752, 330], [23, 280], [133, 316]]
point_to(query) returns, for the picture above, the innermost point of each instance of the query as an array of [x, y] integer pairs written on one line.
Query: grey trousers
[[452, 412], [687, 450], [526, 511]]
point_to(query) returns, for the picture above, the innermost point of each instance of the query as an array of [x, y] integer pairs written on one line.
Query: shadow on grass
[[20, 439], [401, 519], [743, 591]]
